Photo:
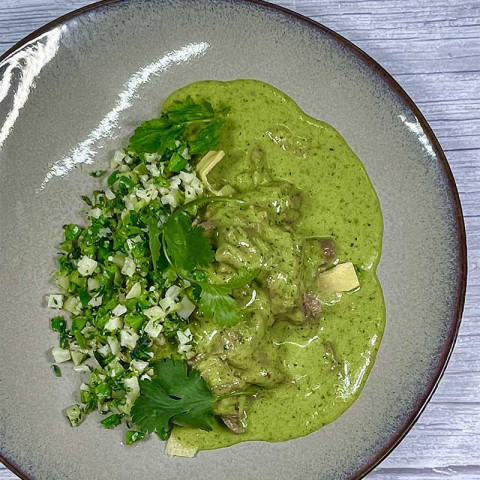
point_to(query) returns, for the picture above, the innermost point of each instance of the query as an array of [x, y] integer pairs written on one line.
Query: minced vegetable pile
[[187, 290]]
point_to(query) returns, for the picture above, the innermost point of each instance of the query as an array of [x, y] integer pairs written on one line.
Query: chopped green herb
[[142, 349], [59, 324], [72, 231], [133, 436], [87, 200], [154, 242], [127, 278], [135, 320], [112, 421], [113, 178], [177, 163]]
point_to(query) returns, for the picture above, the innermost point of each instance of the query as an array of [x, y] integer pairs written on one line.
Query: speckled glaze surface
[[75, 92]]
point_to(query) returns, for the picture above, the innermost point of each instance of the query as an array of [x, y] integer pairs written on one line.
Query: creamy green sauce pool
[[312, 371]]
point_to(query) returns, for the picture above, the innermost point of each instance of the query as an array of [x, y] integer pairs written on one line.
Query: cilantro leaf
[[177, 396], [185, 245], [154, 409], [187, 110], [216, 302], [196, 122], [175, 236], [200, 247], [242, 278], [207, 138], [155, 136]]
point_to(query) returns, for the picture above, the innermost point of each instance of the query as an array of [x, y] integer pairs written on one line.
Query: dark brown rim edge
[[460, 224]]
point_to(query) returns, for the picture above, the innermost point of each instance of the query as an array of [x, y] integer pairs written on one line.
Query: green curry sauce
[[300, 181]]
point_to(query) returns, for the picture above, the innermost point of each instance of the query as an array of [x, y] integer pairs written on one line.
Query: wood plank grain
[[467, 472], [6, 474], [432, 48]]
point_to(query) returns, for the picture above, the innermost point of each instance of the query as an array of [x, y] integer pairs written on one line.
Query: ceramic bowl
[[73, 91]]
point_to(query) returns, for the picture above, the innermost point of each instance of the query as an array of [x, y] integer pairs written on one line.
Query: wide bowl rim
[[461, 239]]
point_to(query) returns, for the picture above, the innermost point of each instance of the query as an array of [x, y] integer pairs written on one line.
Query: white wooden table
[[432, 48]]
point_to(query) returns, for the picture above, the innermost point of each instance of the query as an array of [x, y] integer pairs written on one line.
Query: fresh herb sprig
[[186, 247], [177, 395], [198, 123], [216, 301]]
